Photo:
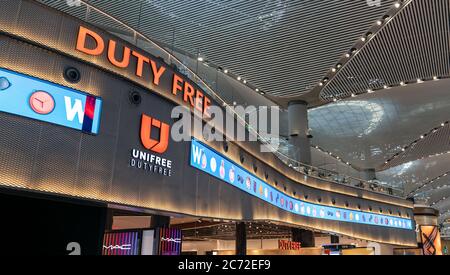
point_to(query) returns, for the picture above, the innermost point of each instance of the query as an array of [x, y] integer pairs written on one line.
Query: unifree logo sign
[[154, 136], [41, 100], [157, 146]]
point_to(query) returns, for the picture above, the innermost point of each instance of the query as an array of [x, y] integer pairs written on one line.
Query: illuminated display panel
[[431, 240], [121, 243], [41, 100], [209, 161]]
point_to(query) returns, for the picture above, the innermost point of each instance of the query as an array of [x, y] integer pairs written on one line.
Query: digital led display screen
[[209, 161], [41, 100]]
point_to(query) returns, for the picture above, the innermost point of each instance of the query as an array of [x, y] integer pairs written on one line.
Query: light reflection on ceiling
[[363, 117]]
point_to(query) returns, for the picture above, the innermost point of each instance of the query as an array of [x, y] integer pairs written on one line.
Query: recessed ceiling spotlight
[[435, 78], [385, 87], [419, 80], [201, 59], [347, 55], [339, 65], [442, 124], [239, 78], [245, 81], [334, 99], [403, 149], [263, 93], [256, 90], [369, 91], [353, 95], [422, 137], [363, 39], [325, 79], [333, 70], [402, 83], [320, 84], [379, 22], [348, 163], [225, 71], [397, 5]]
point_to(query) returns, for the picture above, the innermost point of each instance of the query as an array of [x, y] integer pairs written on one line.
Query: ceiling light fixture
[[225, 71], [397, 5], [239, 78]]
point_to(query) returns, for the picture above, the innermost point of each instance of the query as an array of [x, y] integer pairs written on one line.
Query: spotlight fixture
[[347, 55], [397, 5], [370, 91], [379, 22], [353, 95], [239, 78], [201, 59], [435, 78], [320, 84], [256, 90], [402, 83], [245, 81], [225, 71], [385, 87], [333, 70], [419, 81]]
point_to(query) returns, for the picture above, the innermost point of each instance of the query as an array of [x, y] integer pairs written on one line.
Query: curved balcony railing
[[200, 73]]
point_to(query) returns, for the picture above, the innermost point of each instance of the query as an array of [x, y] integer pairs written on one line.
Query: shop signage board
[[208, 160], [121, 243], [41, 100]]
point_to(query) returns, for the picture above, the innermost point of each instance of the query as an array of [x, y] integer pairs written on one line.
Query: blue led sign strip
[[209, 161]]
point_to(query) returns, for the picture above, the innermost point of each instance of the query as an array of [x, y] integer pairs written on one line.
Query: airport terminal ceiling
[[375, 75]]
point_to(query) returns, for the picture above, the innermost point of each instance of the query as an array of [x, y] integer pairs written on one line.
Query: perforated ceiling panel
[[412, 45], [281, 47]]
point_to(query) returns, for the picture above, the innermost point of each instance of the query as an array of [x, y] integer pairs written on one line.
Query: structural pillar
[[304, 237], [428, 236], [298, 131], [241, 239]]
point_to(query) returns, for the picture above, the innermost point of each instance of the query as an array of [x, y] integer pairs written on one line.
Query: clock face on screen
[[42, 102]]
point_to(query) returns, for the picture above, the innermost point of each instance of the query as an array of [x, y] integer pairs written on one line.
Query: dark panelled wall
[[52, 159], [41, 226]]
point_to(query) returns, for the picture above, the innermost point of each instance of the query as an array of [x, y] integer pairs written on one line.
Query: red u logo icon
[[158, 146]]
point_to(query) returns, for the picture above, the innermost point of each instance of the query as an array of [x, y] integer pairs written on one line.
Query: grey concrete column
[[298, 131], [369, 174]]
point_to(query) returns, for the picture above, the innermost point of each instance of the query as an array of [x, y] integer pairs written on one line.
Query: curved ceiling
[[372, 128], [411, 45], [281, 47]]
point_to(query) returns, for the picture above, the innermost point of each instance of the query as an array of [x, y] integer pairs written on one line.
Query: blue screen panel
[[41, 100], [209, 161]]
